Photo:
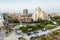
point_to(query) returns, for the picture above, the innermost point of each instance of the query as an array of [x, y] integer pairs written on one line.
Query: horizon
[[17, 6]]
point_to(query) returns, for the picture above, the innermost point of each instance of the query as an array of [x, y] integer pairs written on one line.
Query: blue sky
[[18, 5]]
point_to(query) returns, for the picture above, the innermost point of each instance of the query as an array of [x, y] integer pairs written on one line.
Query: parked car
[[29, 34]]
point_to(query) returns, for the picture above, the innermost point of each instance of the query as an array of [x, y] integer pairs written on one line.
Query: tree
[[9, 29], [10, 20], [16, 21], [58, 21], [54, 33], [43, 37]]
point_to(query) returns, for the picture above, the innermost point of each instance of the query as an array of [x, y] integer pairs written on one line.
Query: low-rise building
[[22, 18], [54, 14], [25, 18]]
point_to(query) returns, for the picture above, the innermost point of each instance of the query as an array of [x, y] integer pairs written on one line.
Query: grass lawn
[[48, 27]]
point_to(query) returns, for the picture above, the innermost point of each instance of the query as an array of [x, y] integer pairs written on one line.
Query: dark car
[[35, 32], [28, 34]]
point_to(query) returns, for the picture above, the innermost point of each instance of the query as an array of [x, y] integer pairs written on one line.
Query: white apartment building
[[39, 14]]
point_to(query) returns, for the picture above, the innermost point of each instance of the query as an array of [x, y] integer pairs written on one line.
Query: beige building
[[25, 12], [54, 14], [15, 16], [39, 14], [23, 18]]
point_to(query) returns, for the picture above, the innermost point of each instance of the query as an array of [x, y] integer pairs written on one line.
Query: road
[[43, 33], [2, 35], [13, 36]]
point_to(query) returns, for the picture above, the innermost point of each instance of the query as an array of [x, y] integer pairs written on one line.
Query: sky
[[17, 6]]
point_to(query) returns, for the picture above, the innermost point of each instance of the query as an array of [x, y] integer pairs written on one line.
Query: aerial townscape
[[29, 20], [30, 26]]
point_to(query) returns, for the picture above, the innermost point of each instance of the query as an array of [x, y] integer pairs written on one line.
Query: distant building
[[15, 16], [23, 18], [34, 17], [54, 14], [26, 18], [39, 14], [25, 12]]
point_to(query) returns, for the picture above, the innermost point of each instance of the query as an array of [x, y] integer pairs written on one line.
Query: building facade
[[25, 17], [25, 12], [54, 14], [39, 14]]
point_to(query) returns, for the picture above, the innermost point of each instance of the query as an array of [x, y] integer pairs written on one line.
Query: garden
[[39, 26]]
